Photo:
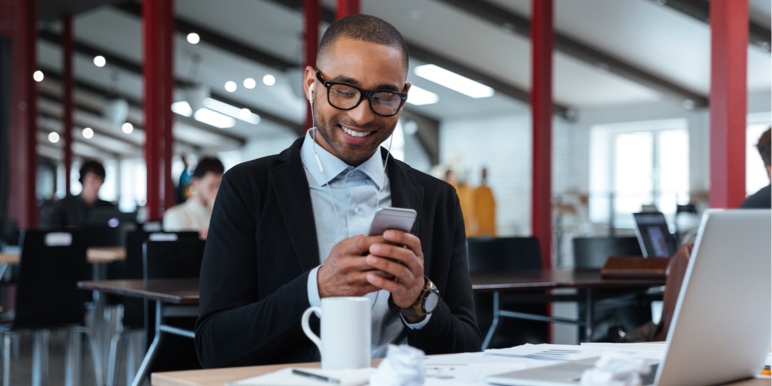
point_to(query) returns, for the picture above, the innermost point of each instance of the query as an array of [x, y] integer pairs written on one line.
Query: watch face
[[430, 302]]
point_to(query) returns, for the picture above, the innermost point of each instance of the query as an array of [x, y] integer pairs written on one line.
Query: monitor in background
[[653, 235], [110, 216]]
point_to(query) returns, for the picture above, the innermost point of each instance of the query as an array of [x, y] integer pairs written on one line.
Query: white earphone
[[311, 93]]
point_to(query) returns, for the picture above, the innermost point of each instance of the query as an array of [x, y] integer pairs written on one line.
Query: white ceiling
[[652, 37]]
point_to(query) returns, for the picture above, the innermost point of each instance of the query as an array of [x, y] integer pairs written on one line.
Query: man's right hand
[[344, 273]]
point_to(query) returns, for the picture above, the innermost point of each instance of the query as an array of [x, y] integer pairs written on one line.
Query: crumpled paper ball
[[613, 369], [403, 366]]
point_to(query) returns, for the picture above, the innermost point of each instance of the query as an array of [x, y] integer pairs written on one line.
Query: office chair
[[47, 298], [497, 254]]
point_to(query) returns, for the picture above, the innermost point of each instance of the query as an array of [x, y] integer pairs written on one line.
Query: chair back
[[51, 264], [106, 236], [173, 255], [491, 254], [592, 252]]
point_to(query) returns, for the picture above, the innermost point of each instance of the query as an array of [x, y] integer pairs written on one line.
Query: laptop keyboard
[[648, 379]]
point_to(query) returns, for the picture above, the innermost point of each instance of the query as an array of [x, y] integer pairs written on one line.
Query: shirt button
[[356, 210]]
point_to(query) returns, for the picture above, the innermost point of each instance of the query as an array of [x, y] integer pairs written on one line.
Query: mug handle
[[307, 329]]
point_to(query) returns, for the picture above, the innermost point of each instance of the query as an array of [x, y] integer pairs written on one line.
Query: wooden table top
[[174, 291], [553, 279], [93, 255]]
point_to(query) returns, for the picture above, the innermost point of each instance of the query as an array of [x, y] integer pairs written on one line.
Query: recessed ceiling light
[[193, 38], [88, 133], [127, 127], [230, 86], [249, 83], [453, 81], [269, 80], [53, 137], [38, 76], [100, 61], [418, 96]]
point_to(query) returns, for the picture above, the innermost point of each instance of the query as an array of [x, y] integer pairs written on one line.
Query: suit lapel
[[406, 192], [291, 188]]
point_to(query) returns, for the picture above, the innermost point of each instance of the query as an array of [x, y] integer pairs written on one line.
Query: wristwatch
[[425, 304]]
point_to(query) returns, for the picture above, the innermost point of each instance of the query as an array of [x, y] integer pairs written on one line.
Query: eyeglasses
[[344, 96]]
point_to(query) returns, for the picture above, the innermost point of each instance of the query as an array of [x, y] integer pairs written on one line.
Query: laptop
[[653, 235], [721, 325], [110, 216]]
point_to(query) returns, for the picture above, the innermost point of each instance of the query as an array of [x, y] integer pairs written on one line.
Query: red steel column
[[158, 86], [67, 97], [311, 14], [169, 196], [347, 7], [542, 37], [728, 101], [19, 18]]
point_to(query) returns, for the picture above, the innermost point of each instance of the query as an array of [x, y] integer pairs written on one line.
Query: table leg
[[494, 322], [144, 368], [589, 314], [40, 357]]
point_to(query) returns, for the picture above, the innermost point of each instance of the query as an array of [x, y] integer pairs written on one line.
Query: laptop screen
[[653, 235]]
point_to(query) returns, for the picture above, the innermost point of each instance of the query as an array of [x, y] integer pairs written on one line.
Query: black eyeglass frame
[[369, 94]]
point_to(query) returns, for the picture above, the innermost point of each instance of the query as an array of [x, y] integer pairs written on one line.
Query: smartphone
[[392, 218]]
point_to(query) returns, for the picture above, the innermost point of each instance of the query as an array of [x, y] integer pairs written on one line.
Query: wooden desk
[[220, 377], [164, 292], [589, 281]]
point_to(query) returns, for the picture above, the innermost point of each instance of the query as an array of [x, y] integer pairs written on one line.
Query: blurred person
[[762, 198], [73, 211], [484, 207], [194, 214], [186, 177]]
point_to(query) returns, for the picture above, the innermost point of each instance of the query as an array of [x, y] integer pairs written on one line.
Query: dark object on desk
[[110, 216], [592, 252], [166, 256], [47, 297], [654, 235], [507, 254], [635, 267]]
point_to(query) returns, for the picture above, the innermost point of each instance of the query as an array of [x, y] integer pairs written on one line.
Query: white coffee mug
[[345, 330]]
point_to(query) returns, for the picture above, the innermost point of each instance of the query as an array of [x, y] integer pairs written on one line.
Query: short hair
[[91, 166], [208, 164], [763, 145], [365, 28]]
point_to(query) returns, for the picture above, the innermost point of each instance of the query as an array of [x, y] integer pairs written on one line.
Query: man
[[762, 199], [73, 211], [485, 208], [194, 214], [288, 230], [183, 184]]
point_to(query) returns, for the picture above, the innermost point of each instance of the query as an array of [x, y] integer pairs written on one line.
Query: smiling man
[[290, 229]]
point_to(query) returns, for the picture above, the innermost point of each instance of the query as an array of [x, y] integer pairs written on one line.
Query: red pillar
[[728, 101], [542, 37], [158, 23], [170, 196], [311, 14], [67, 97], [18, 19], [347, 7]]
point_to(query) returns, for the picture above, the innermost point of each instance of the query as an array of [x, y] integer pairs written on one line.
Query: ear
[[308, 83], [407, 91]]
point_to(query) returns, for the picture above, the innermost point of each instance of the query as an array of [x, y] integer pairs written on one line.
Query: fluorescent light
[[210, 117], [235, 112], [418, 96], [182, 108], [453, 81]]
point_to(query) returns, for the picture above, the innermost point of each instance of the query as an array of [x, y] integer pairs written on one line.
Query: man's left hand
[[401, 257]]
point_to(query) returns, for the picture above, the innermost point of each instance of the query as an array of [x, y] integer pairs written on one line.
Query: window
[[638, 164]]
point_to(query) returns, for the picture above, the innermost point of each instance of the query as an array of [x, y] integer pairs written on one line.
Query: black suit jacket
[[262, 244]]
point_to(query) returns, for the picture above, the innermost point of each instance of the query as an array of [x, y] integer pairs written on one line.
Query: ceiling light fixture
[[38, 76], [100, 61], [53, 137], [182, 108], [211, 117], [193, 38], [230, 86], [269, 80], [88, 133], [453, 81], [127, 128], [249, 83], [195, 96], [418, 96], [243, 114]]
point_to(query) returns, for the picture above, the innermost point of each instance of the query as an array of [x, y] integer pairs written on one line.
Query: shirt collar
[[333, 166]]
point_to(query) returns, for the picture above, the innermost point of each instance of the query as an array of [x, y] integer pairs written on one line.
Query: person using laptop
[[73, 211], [762, 199], [194, 214]]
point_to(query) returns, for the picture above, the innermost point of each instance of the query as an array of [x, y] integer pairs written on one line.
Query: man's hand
[[346, 270], [399, 255]]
